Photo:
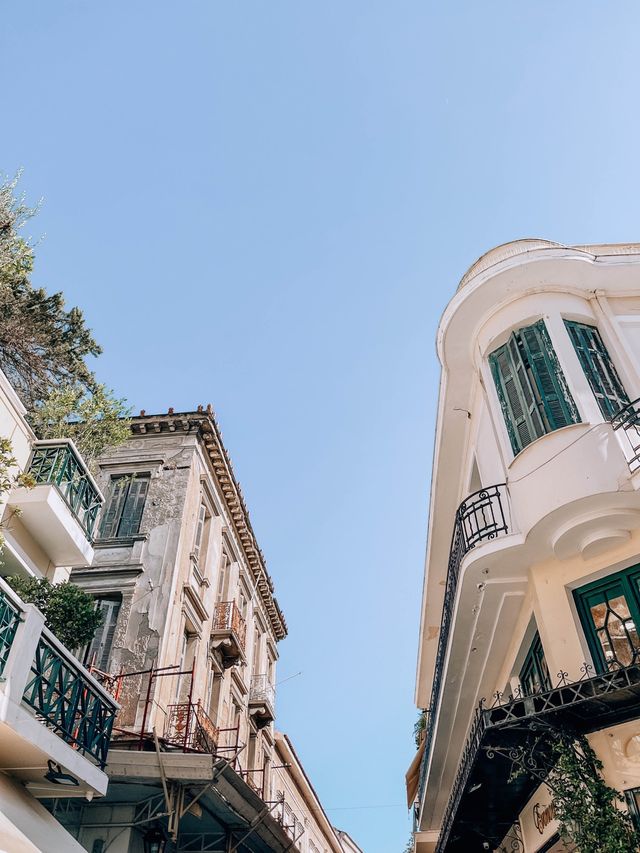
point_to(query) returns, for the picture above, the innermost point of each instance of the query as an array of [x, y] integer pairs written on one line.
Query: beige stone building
[[189, 646], [532, 582]]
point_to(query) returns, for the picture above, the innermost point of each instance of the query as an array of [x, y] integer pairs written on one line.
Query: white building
[[55, 719], [532, 581]]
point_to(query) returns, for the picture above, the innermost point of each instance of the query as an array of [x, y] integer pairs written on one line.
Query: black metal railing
[[626, 423], [515, 709], [59, 465], [480, 517], [66, 701]]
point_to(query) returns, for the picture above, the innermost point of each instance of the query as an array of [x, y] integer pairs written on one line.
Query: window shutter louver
[[100, 648], [533, 394], [134, 506], [598, 368], [113, 512], [558, 406]]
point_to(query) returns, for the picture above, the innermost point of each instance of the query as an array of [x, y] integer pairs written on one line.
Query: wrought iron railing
[[227, 617], [58, 464], [626, 423], [516, 708], [10, 618], [480, 517], [262, 690], [191, 728], [65, 700]]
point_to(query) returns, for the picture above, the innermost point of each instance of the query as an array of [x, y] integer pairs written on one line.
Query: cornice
[[203, 422]]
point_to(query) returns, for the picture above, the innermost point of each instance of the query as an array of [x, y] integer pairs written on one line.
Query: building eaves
[[203, 421]]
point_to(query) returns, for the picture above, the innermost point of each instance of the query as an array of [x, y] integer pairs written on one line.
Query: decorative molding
[[205, 426]]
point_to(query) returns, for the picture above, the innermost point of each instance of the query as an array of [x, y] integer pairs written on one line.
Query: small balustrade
[[626, 423], [262, 700], [189, 727], [481, 517], [57, 463], [64, 696], [229, 632]]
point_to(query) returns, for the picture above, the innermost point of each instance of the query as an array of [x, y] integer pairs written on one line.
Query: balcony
[[626, 423], [262, 700], [190, 728], [53, 713], [61, 510], [507, 754], [229, 633], [481, 517]]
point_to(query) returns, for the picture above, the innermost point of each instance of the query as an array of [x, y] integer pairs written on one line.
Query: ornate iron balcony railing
[[480, 517], [227, 617], [262, 690], [191, 728], [627, 420], [58, 464], [587, 704], [66, 701]]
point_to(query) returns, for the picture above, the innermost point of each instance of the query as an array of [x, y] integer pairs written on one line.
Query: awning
[[412, 776]]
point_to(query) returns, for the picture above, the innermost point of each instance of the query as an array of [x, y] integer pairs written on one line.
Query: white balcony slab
[[47, 517]]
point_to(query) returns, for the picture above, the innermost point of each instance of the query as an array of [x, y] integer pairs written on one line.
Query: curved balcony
[[626, 423], [481, 517]]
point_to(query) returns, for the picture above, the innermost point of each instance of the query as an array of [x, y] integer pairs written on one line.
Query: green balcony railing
[[65, 697], [67, 701], [59, 464], [9, 620]]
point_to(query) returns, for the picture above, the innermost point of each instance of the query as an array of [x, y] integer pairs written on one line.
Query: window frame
[[120, 515], [587, 341], [116, 600], [534, 396], [535, 663], [629, 581]]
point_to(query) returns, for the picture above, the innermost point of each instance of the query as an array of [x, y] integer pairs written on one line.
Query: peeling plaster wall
[[162, 595]]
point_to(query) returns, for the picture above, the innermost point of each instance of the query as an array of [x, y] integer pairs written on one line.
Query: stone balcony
[[229, 633]]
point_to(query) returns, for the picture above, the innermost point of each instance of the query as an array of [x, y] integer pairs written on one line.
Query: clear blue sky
[[266, 206]]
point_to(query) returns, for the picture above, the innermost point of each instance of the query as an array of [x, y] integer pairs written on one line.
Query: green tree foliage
[[585, 806], [69, 612], [94, 421], [42, 345], [420, 727]]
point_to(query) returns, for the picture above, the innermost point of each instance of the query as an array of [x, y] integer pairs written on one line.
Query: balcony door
[[610, 613]]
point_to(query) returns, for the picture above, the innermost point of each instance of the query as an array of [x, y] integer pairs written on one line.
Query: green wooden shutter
[[100, 648], [598, 368], [113, 511], [133, 507], [516, 395], [558, 407]]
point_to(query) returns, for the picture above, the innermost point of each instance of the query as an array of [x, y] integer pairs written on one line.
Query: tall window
[[531, 386], [598, 367], [123, 514], [99, 649], [610, 613], [534, 675], [199, 543]]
